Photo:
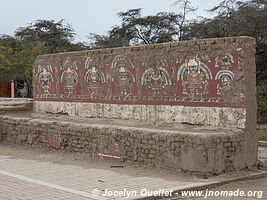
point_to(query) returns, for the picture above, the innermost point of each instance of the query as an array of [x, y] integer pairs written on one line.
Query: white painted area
[[12, 89], [54, 186], [108, 156], [214, 116]]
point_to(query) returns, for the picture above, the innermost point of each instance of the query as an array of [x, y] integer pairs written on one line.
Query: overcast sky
[[86, 16]]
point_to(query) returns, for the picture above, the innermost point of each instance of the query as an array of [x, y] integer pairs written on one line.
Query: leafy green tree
[[5, 63], [54, 36], [148, 29], [262, 101], [9, 41], [136, 29], [17, 54], [16, 64]]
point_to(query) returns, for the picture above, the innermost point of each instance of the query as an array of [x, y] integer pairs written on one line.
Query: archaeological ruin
[[187, 105]]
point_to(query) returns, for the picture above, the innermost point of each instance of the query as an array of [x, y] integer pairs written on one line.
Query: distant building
[[5, 89], [14, 89]]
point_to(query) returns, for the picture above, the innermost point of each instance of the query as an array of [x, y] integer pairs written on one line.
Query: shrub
[[262, 102]]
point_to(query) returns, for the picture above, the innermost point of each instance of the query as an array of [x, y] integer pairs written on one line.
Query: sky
[[85, 16]]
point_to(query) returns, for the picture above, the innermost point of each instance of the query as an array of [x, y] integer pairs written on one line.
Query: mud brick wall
[[202, 82], [209, 153], [171, 82]]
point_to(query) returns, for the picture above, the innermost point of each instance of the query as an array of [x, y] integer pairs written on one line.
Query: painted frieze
[[172, 76]]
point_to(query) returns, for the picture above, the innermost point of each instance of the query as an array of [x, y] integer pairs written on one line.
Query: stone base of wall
[[15, 104], [214, 116], [201, 150]]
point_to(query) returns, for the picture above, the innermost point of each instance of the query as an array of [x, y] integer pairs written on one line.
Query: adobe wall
[[202, 82], [210, 83], [186, 149]]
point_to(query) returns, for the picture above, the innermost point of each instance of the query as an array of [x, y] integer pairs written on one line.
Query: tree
[[136, 29], [262, 101], [9, 41], [17, 54], [148, 29], [182, 21], [5, 63], [16, 64], [54, 36]]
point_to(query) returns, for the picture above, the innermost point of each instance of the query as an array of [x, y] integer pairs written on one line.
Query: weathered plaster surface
[[205, 83], [194, 150], [171, 82], [214, 116]]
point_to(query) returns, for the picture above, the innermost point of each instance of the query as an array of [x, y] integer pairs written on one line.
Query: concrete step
[[262, 157], [15, 104], [263, 143]]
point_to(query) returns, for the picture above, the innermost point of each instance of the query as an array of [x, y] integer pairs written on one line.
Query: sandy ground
[[84, 161]]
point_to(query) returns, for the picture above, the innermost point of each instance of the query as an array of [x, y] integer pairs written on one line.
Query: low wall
[[15, 105], [194, 150]]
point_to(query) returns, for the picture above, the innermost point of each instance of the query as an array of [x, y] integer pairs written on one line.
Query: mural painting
[[125, 78]]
